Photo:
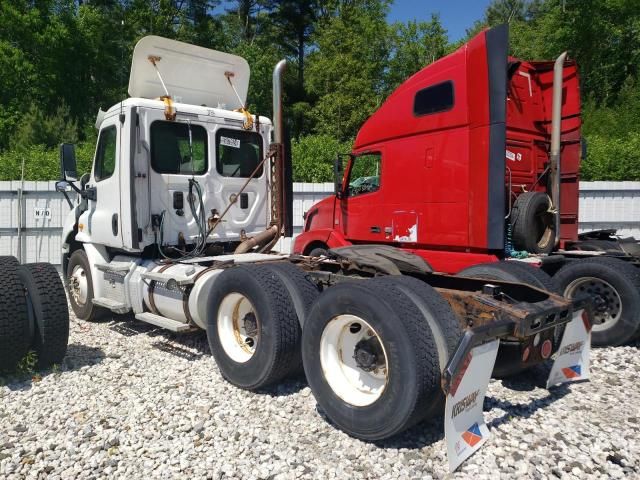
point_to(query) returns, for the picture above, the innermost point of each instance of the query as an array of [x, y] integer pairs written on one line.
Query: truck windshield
[[365, 174], [170, 151], [238, 153]]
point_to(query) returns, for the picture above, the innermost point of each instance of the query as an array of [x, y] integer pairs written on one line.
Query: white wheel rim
[[353, 384], [608, 308], [239, 344], [78, 285]]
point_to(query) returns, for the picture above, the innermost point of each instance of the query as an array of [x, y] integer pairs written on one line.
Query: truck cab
[[437, 169], [182, 143]]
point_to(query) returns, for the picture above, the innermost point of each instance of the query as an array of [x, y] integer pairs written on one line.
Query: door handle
[[374, 229], [90, 193], [114, 224]]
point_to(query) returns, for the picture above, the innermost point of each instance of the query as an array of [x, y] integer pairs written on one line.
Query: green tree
[[414, 45], [295, 22], [313, 157], [345, 70]]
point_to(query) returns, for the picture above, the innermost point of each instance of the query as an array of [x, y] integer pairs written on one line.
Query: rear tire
[[301, 288], [436, 312], [513, 271], [509, 359], [401, 382], [15, 332], [615, 286], [252, 328], [49, 303], [533, 224]]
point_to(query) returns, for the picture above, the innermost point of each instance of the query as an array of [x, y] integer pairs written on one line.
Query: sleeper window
[[434, 99], [170, 150], [238, 153]]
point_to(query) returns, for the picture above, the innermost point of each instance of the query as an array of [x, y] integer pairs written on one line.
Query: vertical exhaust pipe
[[278, 71], [265, 240], [556, 123]]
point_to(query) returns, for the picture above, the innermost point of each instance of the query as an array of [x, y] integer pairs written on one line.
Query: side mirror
[[338, 172], [63, 186], [68, 161]]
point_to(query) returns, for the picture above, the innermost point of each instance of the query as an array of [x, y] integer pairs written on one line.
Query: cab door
[[104, 221], [359, 215]]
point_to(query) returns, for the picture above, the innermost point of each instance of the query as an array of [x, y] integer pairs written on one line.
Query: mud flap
[[572, 360], [464, 427]]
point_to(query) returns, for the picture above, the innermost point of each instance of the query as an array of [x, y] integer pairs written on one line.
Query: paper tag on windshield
[[230, 142], [572, 359], [464, 427]]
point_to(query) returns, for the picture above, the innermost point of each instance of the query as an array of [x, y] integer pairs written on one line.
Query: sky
[[456, 15]]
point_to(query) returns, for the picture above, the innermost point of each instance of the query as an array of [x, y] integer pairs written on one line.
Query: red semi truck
[[473, 160]]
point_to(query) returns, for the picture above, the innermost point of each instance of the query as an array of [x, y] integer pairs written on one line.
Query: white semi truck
[[176, 223]]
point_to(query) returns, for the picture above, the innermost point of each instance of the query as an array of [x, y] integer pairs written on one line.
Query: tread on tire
[[15, 331], [49, 303]]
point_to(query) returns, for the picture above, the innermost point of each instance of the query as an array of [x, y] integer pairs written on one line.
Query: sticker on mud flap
[[572, 360], [464, 427], [230, 142]]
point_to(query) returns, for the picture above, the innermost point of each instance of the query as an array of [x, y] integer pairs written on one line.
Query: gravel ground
[[132, 401]]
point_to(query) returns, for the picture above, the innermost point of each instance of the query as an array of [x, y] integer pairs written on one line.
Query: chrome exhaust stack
[[278, 71], [556, 123]]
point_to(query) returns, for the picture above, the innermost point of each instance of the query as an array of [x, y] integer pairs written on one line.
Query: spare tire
[[15, 333], [47, 298], [533, 224]]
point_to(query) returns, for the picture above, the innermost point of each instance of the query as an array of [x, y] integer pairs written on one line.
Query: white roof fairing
[[192, 74]]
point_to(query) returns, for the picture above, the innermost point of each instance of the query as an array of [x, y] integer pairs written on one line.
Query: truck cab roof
[[183, 111]]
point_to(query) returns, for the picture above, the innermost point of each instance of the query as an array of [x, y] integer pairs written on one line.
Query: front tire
[[319, 252], [614, 285], [370, 359], [80, 288], [252, 328]]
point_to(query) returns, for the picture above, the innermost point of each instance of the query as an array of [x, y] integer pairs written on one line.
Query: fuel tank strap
[[152, 287]]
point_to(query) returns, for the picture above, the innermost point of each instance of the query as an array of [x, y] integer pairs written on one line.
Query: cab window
[[365, 174], [106, 154], [171, 151], [238, 153]]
